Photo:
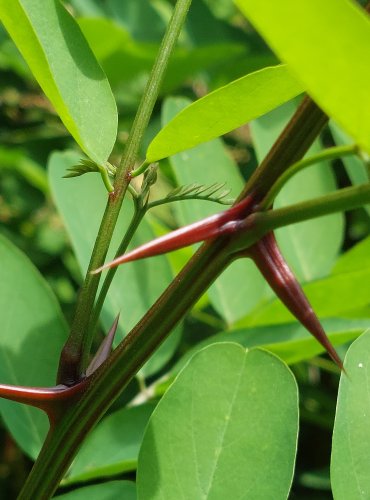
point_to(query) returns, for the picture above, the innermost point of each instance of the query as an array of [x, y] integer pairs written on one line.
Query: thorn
[[51, 400], [271, 263], [212, 226], [104, 350]]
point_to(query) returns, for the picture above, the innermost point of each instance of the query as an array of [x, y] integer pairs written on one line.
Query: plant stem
[[290, 147], [134, 224], [111, 378], [342, 200], [76, 351], [326, 155]]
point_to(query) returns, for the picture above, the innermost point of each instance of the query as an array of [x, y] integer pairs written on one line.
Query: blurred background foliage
[[216, 47]]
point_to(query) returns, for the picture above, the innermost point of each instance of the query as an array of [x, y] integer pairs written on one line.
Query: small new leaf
[[215, 192], [84, 167]]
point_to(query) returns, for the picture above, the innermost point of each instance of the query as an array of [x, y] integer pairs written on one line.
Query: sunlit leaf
[[223, 110], [205, 164], [327, 46], [62, 62]]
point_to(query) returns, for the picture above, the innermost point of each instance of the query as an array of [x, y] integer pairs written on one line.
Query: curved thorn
[[272, 265], [204, 229], [51, 400], [104, 350]]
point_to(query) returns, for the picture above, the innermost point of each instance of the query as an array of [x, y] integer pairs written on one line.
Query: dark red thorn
[[271, 263], [215, 225], [104, 350], [52, 400]]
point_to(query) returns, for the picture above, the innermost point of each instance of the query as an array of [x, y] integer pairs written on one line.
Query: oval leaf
[[228, 422], [224, 110], [350, 463], [31, 338], [327, 46], [63, 64]]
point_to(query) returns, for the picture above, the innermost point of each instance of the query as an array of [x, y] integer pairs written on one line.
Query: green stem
[[342, 200], [326, 155], [105, 176], [290, 147], [112, 377], [134, 224], [76, 351], [140, 170]]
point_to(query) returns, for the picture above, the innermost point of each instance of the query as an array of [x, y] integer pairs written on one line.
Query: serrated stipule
[[215, 225], [267, 257]]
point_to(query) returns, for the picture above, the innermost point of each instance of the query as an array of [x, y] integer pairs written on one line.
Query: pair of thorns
[[266, 255]]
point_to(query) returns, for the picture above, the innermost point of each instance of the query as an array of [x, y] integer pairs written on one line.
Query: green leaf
[[113, 446], [216, 192], [224, 110], [228, 422], [142, 19], [356, 169], [350, 462], [341, 294], [205, 164], [355, 259], [106, 491], [31, 338], [290, 341], [88, 8], [310, 247], [135, 287], [126, 61], [62, 62], [202, 27], [329, 58]]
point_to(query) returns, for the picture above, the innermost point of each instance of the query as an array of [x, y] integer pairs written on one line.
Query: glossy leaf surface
[[350, 461], [62, 62], [224, 110], [207, 164], [31, 338], [228, 421], [81, 202], [329, 58]]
